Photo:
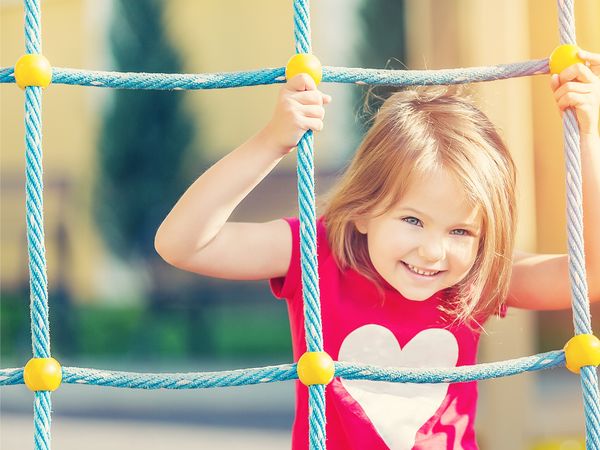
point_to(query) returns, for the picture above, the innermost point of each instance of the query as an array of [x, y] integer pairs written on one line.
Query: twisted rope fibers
[[579, 289], [286, 372], [225, 80], [308, 245], [241, 377], [33, 27], [40, 327]]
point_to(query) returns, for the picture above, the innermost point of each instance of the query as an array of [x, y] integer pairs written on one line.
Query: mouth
[[421, 272]]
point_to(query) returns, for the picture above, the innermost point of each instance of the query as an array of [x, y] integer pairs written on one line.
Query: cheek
[[465, 252], [383, 247]]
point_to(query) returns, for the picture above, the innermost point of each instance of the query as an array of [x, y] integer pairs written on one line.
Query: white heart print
[[398, 410]]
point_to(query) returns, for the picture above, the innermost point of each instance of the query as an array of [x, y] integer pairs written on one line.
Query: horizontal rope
[[433, 77], [454, 374], [286, 372], [224, 80], [76, 375]]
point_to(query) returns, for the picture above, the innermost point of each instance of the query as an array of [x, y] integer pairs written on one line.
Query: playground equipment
[[43, 374]]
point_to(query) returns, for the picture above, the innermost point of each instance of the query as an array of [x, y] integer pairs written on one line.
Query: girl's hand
[[578, 87], [299, 108]]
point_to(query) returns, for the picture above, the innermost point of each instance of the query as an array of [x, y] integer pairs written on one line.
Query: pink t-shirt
[[359, 327]]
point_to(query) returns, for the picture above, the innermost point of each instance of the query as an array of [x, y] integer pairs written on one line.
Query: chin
[[415, 296]]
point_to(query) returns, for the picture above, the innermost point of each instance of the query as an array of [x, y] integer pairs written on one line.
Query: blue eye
[[460, 232], [413, 221]]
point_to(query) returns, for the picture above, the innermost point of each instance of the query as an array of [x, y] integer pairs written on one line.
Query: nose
[[432, 249]]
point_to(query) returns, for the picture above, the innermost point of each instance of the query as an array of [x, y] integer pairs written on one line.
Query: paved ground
[[16, 433], [92, 418]]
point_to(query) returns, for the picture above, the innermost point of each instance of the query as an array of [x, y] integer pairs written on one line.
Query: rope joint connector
[[315, 368], [582, 350], [564, 56], [304, 63], [33, 70], [42, 374]]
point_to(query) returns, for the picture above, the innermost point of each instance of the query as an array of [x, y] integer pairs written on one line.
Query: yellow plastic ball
[[33, 70], [42, 374], [582, 350], [564, 56], [315, 368], [304, 63]]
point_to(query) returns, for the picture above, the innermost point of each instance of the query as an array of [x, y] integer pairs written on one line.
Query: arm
[[542, 281], [196, 236]]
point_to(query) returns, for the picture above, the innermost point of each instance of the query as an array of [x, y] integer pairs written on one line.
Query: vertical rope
[[308, 244], [579, 289], [302, 37], [33, 27], [38, 283]]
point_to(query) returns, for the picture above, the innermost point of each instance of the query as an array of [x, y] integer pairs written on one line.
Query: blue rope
[[241, 377], [577, 273], [308, 246], [459, 374], [302, 34], [286, 372], [9, 377], [225, 80], [40, 327], [33, 27]]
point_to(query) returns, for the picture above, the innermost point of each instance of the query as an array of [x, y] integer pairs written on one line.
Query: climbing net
[[42, 374]]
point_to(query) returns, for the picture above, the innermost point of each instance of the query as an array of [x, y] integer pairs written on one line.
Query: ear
[[361, 225]]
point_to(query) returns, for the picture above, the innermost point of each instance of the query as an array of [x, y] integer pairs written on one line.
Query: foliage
[[383, 45], [145, 137], [235, 331]]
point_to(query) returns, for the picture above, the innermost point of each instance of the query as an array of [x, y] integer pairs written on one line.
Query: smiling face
[[428, 241]]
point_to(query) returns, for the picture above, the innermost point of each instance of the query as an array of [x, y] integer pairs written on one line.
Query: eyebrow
[[471, 225]]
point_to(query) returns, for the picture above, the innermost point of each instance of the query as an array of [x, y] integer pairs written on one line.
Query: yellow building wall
[[216, 37], [547, 124], [212, 37], [68, 140]]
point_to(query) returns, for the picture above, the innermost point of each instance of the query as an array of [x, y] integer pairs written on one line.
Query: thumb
[[301, 82], [554, 82]]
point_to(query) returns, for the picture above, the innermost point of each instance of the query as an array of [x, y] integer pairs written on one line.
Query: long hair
[[413, 133]]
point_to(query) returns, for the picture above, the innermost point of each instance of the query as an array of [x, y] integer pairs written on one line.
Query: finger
[[313, 111], [581, 88], [571, 100], [308, 97], [579, 72], [593, 58], [554, 82], [314, 124], [301, 82], [326, 99]]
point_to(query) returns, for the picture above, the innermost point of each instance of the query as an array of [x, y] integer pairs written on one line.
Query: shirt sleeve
[[285, 287]]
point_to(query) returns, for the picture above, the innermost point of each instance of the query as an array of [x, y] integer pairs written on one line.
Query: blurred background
[[115, 162]]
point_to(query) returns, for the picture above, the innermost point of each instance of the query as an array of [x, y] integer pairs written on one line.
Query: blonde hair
[[414, 133]]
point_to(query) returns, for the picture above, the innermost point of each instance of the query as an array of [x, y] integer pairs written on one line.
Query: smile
[[416, 270]]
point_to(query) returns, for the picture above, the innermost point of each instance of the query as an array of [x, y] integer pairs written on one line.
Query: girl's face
[[428, 241]]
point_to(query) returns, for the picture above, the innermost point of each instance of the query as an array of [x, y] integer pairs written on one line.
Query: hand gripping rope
[[43, 374]]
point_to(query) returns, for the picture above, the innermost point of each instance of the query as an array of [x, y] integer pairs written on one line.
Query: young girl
[[415, 251]]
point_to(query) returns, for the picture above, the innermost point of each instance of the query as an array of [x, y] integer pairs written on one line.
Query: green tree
[[382, 45], [144, 147], [145, 138]]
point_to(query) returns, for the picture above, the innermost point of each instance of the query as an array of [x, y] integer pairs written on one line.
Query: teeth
[[421, 272]]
